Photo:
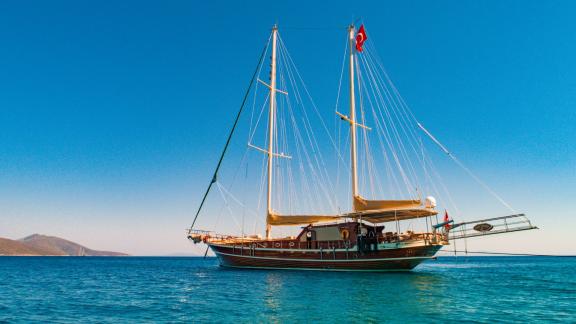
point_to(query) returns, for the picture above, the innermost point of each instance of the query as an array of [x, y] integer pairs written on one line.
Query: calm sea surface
[[134, 289]]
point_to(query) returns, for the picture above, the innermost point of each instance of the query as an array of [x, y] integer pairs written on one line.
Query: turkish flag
[[446, 218], [360, 38]]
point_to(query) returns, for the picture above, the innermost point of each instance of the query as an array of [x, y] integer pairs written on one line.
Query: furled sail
[[381, 211], [361, 204], [275, 219]]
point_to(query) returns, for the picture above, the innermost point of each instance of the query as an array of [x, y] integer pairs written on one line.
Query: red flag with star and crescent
[[446, 219], [361, 37]]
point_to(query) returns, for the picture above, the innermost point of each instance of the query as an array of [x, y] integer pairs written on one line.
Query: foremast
[[271, 126]]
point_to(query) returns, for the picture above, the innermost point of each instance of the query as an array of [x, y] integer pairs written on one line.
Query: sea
[[198, 290]]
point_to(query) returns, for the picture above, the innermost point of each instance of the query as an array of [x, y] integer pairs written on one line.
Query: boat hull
[[399, 259]]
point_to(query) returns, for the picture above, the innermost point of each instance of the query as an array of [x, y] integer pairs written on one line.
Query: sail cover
[[374, 211], [381, 211], [361, 204], [275, 219]]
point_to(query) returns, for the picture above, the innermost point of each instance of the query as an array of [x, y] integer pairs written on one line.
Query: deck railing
[[291, 243], [334, 244]]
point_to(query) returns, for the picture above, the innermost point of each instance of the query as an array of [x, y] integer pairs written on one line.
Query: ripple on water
[[474, 289]]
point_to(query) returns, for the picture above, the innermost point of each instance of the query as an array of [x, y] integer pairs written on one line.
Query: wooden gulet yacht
[[358, 240]]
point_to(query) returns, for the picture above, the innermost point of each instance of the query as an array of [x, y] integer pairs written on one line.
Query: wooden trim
[[327, 260]]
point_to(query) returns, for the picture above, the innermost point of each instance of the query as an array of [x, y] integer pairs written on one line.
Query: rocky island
[[43, 245]]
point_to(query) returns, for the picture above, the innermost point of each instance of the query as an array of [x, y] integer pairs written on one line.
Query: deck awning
[[390, 215]]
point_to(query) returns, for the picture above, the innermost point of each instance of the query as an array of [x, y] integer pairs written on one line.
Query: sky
[[113, 114]]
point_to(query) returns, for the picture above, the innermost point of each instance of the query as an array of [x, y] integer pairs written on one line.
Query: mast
[[271, 124], [353, 159]]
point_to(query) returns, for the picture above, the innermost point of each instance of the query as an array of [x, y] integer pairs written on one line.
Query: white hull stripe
[[315, 260]]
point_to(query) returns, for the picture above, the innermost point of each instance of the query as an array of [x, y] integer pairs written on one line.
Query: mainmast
[[271, 124], [352, 118]]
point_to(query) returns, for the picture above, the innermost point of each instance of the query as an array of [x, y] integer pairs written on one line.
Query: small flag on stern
[[446, 219], [360, 38]]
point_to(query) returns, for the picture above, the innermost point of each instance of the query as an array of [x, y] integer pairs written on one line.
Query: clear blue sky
[[112, 114]]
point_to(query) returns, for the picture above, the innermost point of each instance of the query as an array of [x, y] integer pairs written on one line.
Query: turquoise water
[[134, 289]]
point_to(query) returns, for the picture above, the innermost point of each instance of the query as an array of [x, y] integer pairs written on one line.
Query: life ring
[[291, 244], [345, 234], [277, 245]]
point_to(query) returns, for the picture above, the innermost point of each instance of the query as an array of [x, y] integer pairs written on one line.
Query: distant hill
[[39, 245], [11, 247]]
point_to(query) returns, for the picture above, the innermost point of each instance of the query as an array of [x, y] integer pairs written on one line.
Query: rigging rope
[[214, 177], [304, 137], [388, 101], [398, 105], [460, 164]]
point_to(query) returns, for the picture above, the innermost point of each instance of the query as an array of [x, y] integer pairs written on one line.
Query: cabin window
[[327, 233]]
